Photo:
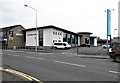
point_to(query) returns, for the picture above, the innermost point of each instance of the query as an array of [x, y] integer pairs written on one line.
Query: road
[[61, 66]]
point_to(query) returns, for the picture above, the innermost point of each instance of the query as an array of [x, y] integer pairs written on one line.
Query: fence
[[30, 48]]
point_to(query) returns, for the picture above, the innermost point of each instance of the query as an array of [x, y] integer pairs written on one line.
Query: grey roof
[[85, 33], [11, 27], [51, 26]]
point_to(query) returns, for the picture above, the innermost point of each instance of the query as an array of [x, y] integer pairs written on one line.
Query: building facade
[[12, 36], [47, 35], [85, 38]]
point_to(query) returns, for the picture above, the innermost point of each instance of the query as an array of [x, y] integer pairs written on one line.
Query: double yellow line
[[30, 78]]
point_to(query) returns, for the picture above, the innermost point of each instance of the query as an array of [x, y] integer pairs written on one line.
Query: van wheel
[[55, 47], [117, 58]]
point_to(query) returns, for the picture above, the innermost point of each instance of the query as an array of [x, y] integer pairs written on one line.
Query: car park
[[114, 52], [62, 45]]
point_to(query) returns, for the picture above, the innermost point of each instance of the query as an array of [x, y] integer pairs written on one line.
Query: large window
[[87, 40], [73, 39], [76, 40], [41, 38], [65, 37], [69, 39]]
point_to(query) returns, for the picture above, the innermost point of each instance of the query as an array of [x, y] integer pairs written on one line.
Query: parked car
[[61, 45], [114, 52], [85, 45], [105, 46]]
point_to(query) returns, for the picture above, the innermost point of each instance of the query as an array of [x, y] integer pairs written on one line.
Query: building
[[85, 38], [18, 36], [12, 36], [47, 35]]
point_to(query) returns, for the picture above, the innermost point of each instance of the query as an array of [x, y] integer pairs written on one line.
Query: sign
[[10, 35], [108, 22]]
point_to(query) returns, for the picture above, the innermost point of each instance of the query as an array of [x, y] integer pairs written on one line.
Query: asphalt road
[[61, 67]]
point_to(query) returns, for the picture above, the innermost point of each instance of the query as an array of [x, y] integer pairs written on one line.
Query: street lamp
[[35, 24]]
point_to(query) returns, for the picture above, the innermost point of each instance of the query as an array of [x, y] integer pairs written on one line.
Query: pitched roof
[[50, 26], [11, 27]]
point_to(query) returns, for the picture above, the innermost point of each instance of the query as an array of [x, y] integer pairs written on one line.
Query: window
[[69, 38], [56, 33], [57, 43], [87, 40], [59, 40], [73, 39], [54, 41], [53, 33], [65, 37], [41, 38], [60, 33]]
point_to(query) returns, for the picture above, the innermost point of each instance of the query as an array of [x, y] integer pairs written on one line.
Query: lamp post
[[35, 24]]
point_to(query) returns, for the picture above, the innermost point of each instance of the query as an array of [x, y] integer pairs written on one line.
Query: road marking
[[40, 58], [73, 64], [16, 55], [29, 57], [31, 52], [99, 59], [115, 72], [30, 78], [9, 54], [35, 57]]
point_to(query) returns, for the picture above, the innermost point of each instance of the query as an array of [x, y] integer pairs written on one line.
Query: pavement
[[94, 56], [83, 55], [12, 75]]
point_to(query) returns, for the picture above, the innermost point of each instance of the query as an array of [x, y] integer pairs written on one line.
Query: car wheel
[[117, 58], [55, 47]]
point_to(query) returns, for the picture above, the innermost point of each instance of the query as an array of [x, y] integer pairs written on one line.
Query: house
[[12, 36]]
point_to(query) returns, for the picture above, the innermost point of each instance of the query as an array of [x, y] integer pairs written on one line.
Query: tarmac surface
[[96, 52]]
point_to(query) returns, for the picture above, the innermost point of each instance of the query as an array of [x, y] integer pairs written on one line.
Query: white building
[[47, 35]]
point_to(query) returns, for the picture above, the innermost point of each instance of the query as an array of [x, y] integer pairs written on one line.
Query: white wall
[[95, 41], [47, 37], [78, 40], [31, 38], [57, 37]]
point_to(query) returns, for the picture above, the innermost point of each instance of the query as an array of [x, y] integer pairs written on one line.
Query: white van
[[62, 45]]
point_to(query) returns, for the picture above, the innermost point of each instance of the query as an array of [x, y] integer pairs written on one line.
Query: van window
[[57, 43], [64, 44]]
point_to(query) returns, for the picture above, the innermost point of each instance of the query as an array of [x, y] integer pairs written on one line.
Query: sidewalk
[[94, 56], [6, 77], [15, 76], [97, 56]]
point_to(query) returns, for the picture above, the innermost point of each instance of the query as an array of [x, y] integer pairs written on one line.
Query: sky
[[72, 15]]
